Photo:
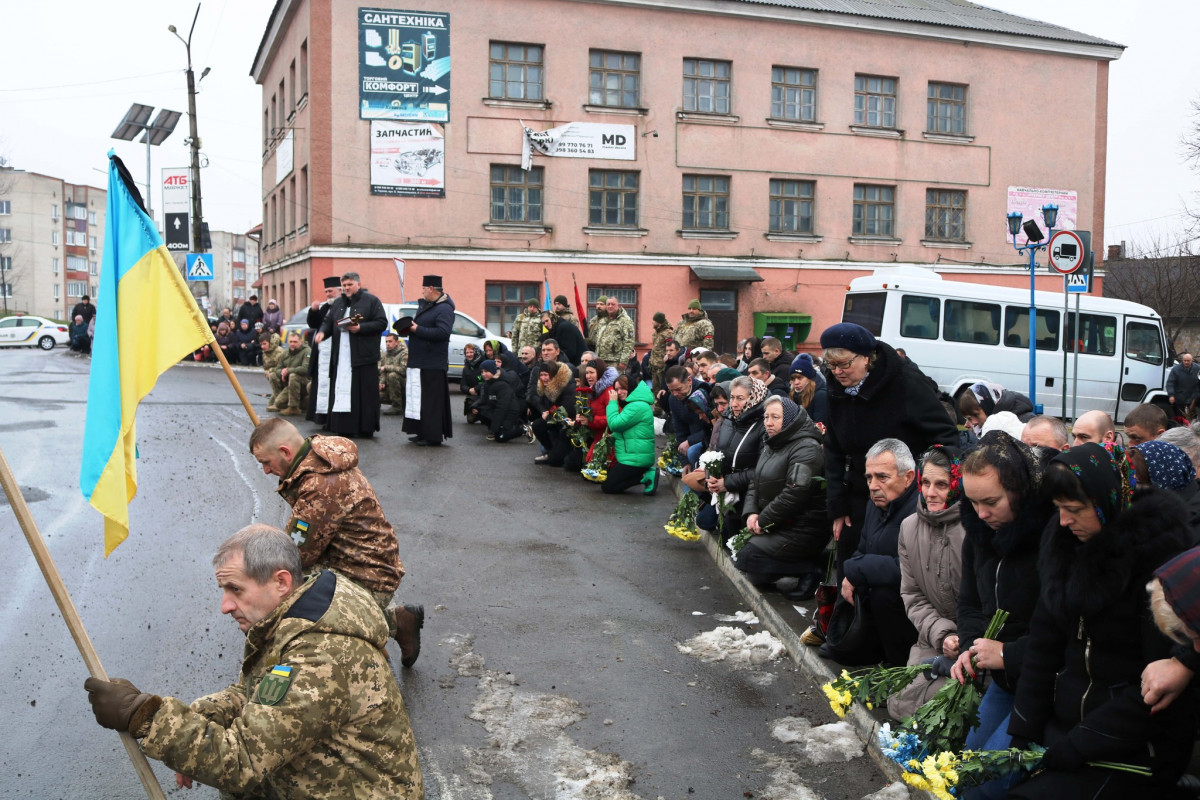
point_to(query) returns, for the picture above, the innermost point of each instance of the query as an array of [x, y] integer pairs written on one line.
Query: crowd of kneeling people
[[851, 471]]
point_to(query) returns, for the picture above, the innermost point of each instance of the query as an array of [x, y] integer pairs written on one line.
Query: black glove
[[1063, 757], [120, 706], [939, 667]]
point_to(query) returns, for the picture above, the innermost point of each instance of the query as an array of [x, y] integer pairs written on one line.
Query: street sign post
[[177, 207], [1078, 282], [1067, 252], [199, 266]]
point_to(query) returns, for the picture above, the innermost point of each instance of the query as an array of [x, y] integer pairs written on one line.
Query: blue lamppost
[[1034, 234]]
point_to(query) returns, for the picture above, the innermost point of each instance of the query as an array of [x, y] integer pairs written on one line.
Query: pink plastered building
[[767, 153]]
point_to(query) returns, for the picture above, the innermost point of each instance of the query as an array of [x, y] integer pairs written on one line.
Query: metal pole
[[1032, 327], [149, 204], [1075, 347], [197, 218], [1066, 298]]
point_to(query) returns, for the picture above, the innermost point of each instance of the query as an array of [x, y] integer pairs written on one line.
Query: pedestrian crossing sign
[[199, 266]]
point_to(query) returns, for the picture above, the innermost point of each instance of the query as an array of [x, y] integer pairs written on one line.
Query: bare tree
[[1162, 276]]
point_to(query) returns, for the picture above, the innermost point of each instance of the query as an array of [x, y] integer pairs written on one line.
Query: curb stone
[[815, 668]]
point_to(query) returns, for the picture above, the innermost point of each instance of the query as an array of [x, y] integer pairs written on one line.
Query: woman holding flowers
[[930, 549], [631, 419], [1004, 520], [739, 442], [597, 382], [553, 403], [1093, 632], [785, 502]]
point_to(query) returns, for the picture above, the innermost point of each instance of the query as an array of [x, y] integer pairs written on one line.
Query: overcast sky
[[69, 70]]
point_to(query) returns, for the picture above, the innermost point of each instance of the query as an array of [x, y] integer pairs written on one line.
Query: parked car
[[27, 331], [298, 324]]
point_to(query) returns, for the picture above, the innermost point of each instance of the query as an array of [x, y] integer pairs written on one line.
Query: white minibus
[[961, 333]]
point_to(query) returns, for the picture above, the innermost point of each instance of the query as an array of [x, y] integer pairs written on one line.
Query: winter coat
[[335, 728], [741, 442], [632, 426], [1190, 495], [876, 562], [615, 343], [531, 388], [429, 342], [895, 401], [782, 366], [598, 399], [569, 339], [1091, 636], [930, 549], [225, 341], [689, 426], [778, 388], [560, 391], [785, 491], [250, 311], [248, 338], [500, 404], [1000, 570], [1183, 383], [364, 345], [273, 320], [694, 333], [471, 379]]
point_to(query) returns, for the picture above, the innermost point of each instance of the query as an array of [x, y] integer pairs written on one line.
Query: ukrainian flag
[[146, 321]]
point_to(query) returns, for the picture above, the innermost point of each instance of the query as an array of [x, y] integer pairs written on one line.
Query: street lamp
[[194, 140], [1037, 241], [137, 119]]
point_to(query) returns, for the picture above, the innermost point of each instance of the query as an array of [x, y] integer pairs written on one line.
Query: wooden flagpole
[[67, 608]]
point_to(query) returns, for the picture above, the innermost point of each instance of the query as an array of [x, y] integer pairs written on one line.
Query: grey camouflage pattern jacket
[[337, 728]]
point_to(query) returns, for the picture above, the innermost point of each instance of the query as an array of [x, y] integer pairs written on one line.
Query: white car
[[466, 330], [27, 331]]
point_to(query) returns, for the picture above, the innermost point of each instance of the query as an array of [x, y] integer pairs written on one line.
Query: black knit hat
[[562, 300], [660, 318]]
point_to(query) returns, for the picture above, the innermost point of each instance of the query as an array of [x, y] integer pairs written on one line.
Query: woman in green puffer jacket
[[631, 420]]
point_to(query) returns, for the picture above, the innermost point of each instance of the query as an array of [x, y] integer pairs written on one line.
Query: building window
[[304, 69], [706, 202], [794, 94], [792, 206], [706, 85], [504, 301], [6, 290], [239, 255], [874, 101], [239, 274], [5, 235], [56, 296], [75, 264], [54, 266], [613, 198], [945, 215], [6, 263], [5, 207], [92, 243], [77, 288], [91, 218], [874, 210], [515, 71], [516, 194], [53, 211], [292, 207], [93, 267], [292, 86], [303, 199], [614, 78], [627, 298], [266, 131], [946, 109]]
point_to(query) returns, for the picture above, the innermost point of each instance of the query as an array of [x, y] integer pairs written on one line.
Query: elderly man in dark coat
[[427, 407], [349, 390]]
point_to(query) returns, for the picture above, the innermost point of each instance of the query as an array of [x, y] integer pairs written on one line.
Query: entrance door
[[721, 305]]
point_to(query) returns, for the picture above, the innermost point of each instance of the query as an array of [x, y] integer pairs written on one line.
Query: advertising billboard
[[408, 159], [404, 65]]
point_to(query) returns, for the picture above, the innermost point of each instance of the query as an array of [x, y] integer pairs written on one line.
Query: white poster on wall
[[579, 140], [408, 159], [1029, 201], [285, 157]]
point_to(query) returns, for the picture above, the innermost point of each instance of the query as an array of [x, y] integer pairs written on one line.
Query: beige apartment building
[[235, 270], [756, 155], [51, 243]]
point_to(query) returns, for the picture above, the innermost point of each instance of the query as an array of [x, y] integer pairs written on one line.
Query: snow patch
[[734, 647], [791, 730], [748, 617], [785, 782], [893, 791], [836, 741]]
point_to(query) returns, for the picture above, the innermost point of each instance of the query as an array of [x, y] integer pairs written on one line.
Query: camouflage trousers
[[277, 387], [292, 395], [393, 389]]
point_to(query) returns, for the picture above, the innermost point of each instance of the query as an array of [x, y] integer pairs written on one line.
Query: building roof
[[947, 13]]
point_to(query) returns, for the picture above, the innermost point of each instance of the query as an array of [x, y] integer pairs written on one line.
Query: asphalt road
[[550, 665]]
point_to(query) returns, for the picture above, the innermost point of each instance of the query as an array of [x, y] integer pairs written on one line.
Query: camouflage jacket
[[296, 361], [394, 360], [614, 344], [271, 359], [658, 348], [526, 329], [595, 328], [315, 714], [336, 518], [695, 334]]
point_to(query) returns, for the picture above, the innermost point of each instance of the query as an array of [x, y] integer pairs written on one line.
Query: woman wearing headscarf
[[808, 388], [785, 503], [227, 342], [1169, 468], [1003, 520], [739, 443], [983, 399], [874, 394], [1093, 633], [273, 317], [930, 549]]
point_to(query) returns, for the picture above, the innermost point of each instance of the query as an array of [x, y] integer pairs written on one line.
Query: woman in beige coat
[[930, 549]]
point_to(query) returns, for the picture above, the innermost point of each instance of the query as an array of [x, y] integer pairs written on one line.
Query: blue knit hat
[[848, 336], [803, 364], [488, 365]]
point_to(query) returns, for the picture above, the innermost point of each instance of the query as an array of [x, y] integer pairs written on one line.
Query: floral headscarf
[[1106, 474], [955, 493], [1169, 466], [758, 393]]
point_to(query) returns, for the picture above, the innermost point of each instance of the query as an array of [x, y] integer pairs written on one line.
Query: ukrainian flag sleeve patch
[[274, 685], [299, 532]]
